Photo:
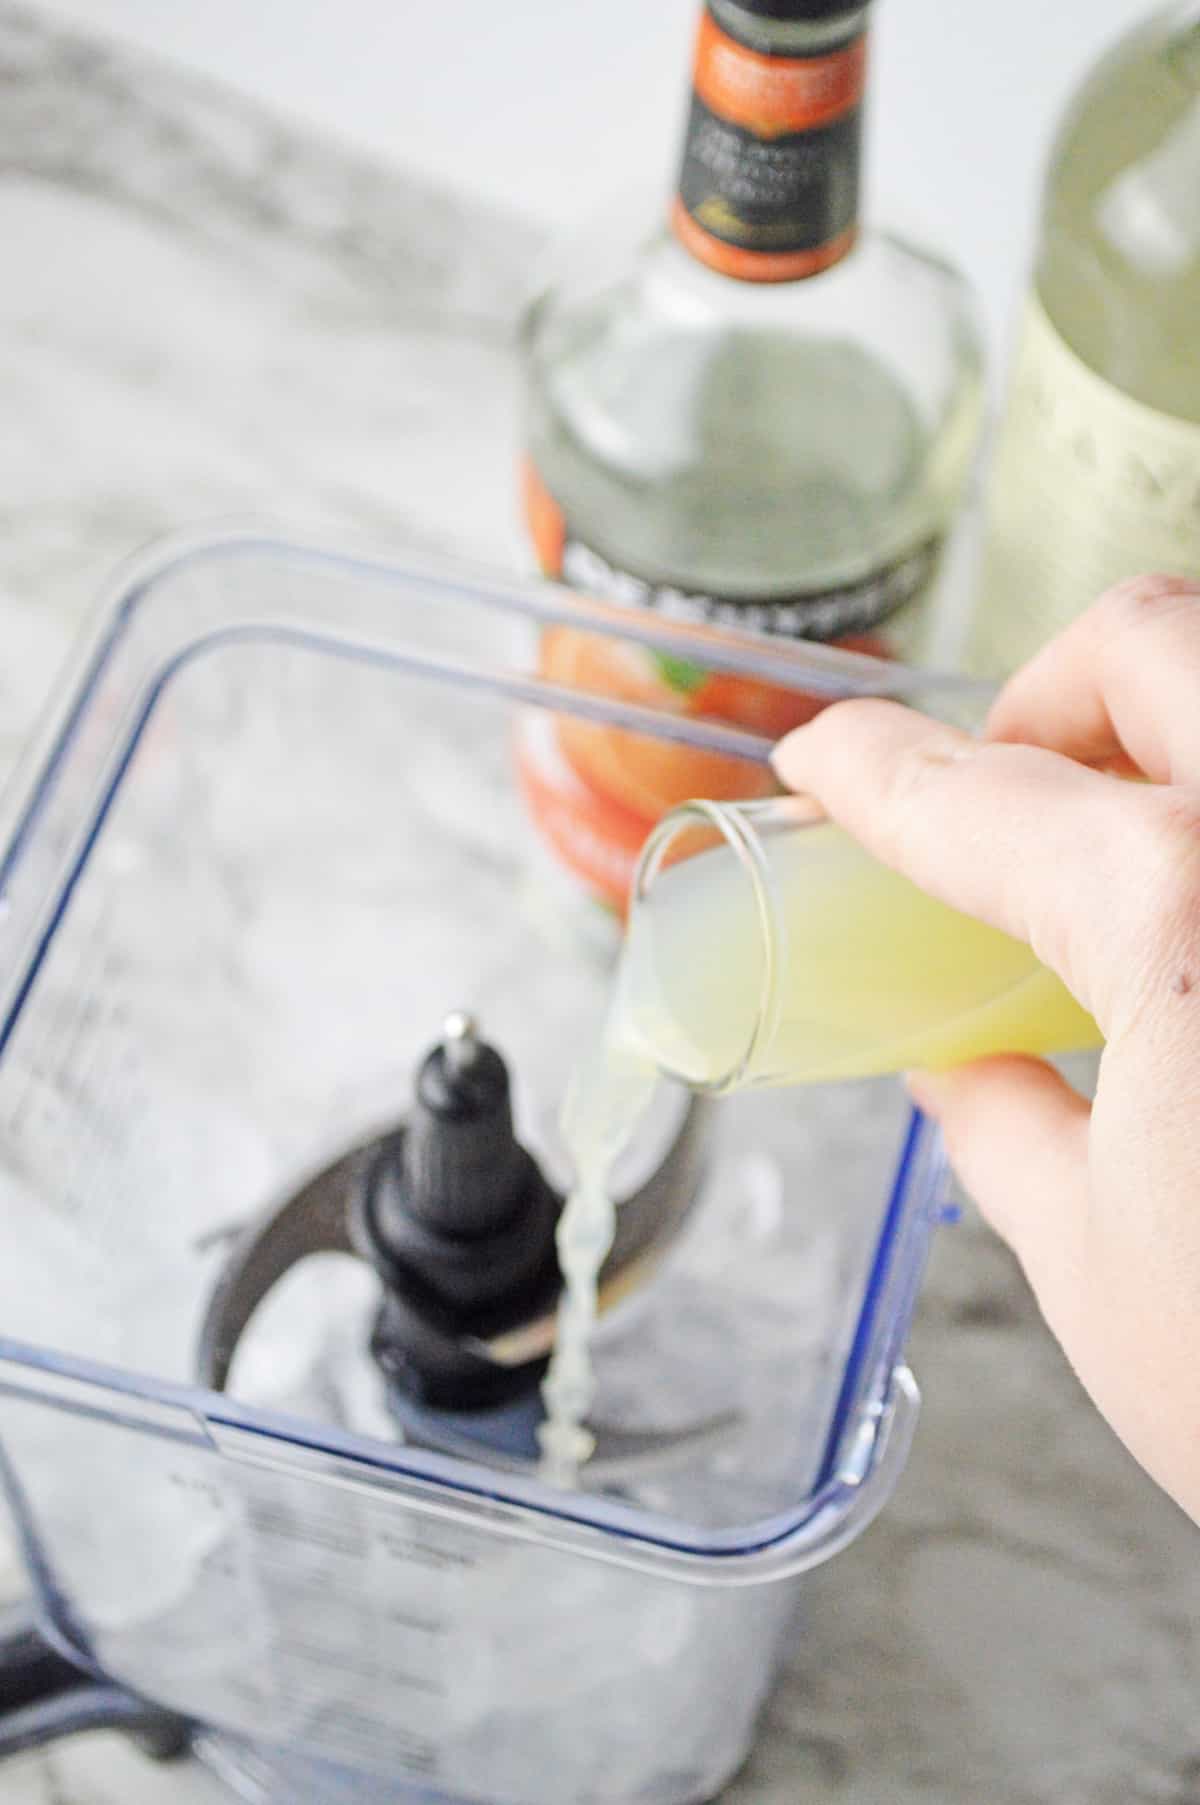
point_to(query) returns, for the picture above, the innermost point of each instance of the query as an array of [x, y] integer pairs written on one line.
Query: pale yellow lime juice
[[797, 958], [763, 951]]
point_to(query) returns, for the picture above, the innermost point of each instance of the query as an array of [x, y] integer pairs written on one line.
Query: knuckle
[[1169, 856], [1142, 600], [922, 764], [909, 783]]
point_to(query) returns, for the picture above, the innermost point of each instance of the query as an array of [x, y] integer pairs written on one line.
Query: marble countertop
[[205, 314]]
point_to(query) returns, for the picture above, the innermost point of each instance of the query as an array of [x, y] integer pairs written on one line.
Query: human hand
[[1028, 829]]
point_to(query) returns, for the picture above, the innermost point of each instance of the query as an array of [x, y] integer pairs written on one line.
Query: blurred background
[[548, 108]]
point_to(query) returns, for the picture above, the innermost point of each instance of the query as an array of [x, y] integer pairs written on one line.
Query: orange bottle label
[[768, 186], [773, 95], [594, 791]]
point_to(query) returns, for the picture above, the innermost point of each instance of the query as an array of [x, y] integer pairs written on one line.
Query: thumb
[[1016, 1134]]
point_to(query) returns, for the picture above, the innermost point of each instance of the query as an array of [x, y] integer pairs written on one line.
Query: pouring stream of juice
[[860, 973]]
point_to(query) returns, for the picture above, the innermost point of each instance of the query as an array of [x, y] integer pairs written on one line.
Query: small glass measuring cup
[[766, 947]]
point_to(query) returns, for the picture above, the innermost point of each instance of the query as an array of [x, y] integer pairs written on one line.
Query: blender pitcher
[[285, 1022]]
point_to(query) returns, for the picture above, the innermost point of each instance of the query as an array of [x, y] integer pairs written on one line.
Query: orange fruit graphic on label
[[594, 791], [592, 836], [645, 775]]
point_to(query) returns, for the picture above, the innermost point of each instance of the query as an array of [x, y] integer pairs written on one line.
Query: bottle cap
[[800, 11]]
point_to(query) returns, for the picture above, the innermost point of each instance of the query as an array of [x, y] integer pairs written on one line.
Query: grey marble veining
[[202, 316], [206, 314]]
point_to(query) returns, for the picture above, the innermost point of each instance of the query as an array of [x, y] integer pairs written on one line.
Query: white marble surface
[[553, 108], [202, 314]]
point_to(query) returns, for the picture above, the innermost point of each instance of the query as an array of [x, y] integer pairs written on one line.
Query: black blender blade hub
[[458, 1221]]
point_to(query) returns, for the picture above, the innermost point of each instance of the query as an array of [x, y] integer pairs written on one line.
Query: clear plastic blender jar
[[269, 839]]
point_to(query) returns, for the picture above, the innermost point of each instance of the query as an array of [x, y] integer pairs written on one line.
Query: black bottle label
[[837, 612], [768, 189]]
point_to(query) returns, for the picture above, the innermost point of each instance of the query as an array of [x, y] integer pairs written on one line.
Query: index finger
[[1123, 679], [1024, 839]]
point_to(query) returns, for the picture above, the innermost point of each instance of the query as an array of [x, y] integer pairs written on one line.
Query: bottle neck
[[769, 183]]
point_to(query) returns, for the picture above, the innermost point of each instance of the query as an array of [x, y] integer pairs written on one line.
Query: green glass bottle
[[1097, 474]]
